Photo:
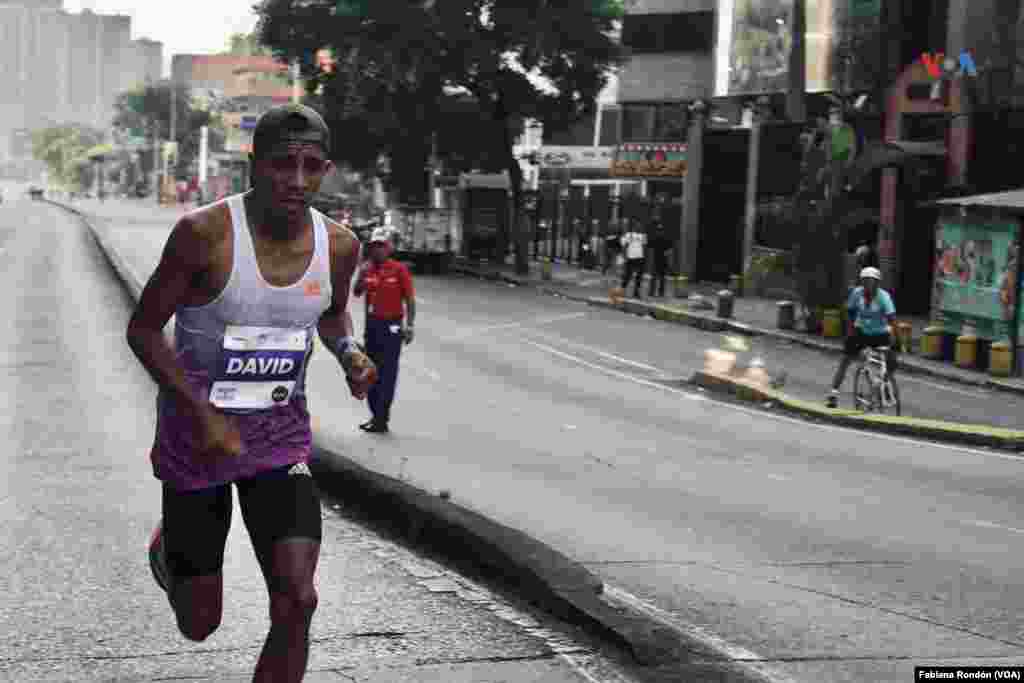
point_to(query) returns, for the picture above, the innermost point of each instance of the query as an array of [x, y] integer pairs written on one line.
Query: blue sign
[[248, 122]]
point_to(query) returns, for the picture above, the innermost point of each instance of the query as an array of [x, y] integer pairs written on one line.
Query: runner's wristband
[[344, 345]]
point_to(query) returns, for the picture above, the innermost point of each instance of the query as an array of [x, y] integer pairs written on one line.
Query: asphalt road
[[821, 553], [78, 502]]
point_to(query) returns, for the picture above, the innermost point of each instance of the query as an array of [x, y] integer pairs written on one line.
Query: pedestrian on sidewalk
[[634, 243], [865, 257], [661, 247], [595, 251], [612, 247], [249, 281], [871, 314], [390, 318]]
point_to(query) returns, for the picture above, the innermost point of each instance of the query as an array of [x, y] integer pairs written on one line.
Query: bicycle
[[872, 391]]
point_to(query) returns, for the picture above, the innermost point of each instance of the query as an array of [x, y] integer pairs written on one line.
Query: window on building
[[637, 122], [670, 122], [677, 32], [662, 122], [610, 125]]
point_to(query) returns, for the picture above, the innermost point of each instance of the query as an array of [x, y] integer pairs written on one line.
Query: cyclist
[[871, 316]]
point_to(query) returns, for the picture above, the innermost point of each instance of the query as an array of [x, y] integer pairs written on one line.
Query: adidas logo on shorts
[[299, 468]]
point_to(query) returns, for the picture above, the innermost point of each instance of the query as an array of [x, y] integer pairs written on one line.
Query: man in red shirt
[[388, 286]]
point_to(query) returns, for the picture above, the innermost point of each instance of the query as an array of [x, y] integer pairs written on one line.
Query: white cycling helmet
[[871, 272]]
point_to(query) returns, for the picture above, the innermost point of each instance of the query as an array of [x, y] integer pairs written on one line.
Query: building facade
[[241, 88], [57, 67]]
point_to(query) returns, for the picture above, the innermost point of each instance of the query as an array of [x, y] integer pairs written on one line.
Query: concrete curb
[[713, 323], [535, 571], [532, 569], [947, 432]]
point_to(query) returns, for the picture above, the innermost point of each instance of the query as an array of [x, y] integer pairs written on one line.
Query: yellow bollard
[[931, 342], [545, 269], [966, 351], [736, 285], [832, 323], [680, 284], [904, 336], [1000, 361]]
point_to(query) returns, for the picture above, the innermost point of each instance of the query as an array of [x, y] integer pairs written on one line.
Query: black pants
[[278, 504], [858, 341], [383, 346], [634, 266], [658, 277], [611, 251]]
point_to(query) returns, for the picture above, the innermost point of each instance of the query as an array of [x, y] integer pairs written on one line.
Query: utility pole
[[796, 99], [432, 168], [753, 163], [204, 153], [296, 89], [686, 255], [156, 158], [174, 111]]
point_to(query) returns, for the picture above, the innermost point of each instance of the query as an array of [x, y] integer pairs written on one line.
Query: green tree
[[66, 152], [147, 111], [397, 57], [245, 44]]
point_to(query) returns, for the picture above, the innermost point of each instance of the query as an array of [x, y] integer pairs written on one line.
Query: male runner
[[248, 279]]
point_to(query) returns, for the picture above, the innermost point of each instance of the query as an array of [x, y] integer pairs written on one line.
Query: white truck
[[427, 237]]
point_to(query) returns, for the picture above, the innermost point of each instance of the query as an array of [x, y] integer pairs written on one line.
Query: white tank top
[[250, 345]]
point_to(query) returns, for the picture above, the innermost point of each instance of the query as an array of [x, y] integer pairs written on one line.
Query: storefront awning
[[497, 181], [1011, 199]]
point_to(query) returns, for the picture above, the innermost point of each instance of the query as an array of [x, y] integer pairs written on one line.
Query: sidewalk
[[752, 316]]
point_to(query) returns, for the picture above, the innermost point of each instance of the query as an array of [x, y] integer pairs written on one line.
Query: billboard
[[665, 159], [975, 276], [755, 41], [572, 156]]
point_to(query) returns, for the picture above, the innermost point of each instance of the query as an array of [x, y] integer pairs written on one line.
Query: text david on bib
[[259, 367]]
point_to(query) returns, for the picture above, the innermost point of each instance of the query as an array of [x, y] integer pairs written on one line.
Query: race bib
[[259, 367]]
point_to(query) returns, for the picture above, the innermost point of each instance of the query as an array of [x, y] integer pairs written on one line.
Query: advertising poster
[[975, 278], [761, 42], [755, 41], [654, 159]]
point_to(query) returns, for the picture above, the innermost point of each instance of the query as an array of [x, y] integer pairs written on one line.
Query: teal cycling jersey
[[871, 318]]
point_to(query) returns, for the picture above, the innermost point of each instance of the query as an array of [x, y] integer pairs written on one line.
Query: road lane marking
[[734, 653], [993, 525], [616, 373], [483, 329], [598, 352]]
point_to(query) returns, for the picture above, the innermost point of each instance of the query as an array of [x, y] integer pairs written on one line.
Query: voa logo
[[937, 63]]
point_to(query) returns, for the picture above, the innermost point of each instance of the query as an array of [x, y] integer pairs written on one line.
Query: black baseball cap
[[290, 123]]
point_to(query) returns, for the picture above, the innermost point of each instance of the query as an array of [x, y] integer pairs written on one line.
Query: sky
[[183, 26]]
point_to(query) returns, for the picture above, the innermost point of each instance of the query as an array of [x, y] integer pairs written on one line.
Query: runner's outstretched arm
[[184, 260], [335, 326]]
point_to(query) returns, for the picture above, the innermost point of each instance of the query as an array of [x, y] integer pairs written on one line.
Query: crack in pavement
[[174, 653], [429, 661], [338, 672]]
